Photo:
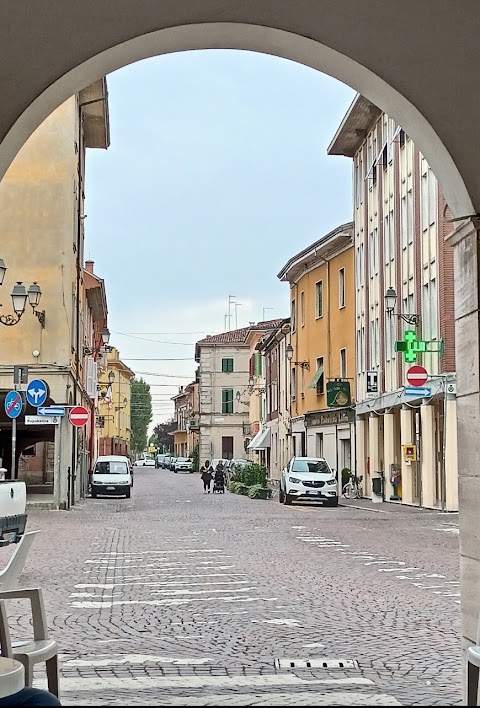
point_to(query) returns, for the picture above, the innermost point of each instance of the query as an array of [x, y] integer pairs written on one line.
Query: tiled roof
[[239, 335], [236, 335]]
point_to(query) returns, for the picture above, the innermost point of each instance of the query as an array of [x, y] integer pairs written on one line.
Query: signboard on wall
[[372, 382], [338, 394]]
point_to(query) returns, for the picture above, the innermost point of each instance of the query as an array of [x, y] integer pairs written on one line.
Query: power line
[[157, 341], [188, 358]]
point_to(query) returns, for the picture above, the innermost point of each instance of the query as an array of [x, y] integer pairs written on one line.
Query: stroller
[[219, 482]]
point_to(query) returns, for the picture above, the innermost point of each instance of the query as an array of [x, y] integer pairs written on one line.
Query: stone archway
[[419, 62]]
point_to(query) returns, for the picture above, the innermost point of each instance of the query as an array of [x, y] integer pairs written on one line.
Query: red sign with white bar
[[417, 376], [79, 416]]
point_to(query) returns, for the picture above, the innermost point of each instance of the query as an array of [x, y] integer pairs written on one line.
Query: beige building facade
[[405, 435], [41, 208]]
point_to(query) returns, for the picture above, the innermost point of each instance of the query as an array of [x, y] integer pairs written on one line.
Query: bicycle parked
[[353, 488]]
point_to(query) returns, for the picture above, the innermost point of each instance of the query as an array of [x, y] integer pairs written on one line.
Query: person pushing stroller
[[219, 479]]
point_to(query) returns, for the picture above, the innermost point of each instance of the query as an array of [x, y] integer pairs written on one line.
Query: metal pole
[[444, 447], [14, 447]]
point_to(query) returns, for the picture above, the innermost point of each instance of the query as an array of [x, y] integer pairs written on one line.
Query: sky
[[216, 175]]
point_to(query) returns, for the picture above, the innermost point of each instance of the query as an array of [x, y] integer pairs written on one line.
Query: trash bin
[[377, 486]]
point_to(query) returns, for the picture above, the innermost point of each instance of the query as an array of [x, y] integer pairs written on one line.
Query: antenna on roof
[[264, 311]]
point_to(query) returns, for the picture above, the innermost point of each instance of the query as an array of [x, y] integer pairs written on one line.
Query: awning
[[314, 381], [261, 440]]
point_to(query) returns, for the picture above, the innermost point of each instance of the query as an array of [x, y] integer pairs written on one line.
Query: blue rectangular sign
[[417, 391], [51, 410]]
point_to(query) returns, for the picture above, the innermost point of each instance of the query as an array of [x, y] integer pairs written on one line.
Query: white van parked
[[112, 476]]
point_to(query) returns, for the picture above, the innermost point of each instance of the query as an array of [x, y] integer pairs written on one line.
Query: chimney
[[89, 266]]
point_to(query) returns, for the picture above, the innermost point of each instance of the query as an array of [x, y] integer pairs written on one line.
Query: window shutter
[[258, 364]]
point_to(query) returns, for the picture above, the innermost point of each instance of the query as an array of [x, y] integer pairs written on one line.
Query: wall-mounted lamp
[[289, 353], [390, 304], [105, 334]]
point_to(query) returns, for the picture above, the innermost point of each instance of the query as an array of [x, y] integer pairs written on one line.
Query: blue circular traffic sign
[[37, 392], [13, 404]]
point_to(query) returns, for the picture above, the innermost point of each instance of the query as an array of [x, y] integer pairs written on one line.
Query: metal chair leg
[[472, 684]]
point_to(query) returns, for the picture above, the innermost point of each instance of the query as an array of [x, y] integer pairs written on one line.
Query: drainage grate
[[316, 664]]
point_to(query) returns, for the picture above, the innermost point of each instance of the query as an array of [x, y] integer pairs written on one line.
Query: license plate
[[110, 489]]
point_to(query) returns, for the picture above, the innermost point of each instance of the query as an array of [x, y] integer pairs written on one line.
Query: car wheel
[[94, 495], [128, 493], [281, 496], [175, 471], [332, 502], [287, 499]]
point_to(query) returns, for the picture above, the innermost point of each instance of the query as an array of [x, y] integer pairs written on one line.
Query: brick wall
[[446, 287]]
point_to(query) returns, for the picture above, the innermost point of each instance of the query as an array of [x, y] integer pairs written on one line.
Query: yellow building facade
[[322, 348], [114, 407]]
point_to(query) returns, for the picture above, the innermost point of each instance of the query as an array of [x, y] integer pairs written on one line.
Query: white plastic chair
[[10, 574], [41, 648], [473, 667]]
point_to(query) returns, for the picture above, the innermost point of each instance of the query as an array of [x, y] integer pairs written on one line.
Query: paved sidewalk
[[176, 597]]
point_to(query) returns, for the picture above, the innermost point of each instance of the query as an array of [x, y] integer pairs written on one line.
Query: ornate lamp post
[[19, 300]]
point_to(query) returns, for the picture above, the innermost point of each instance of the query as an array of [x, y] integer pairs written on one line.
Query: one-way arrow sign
[[51, 410]]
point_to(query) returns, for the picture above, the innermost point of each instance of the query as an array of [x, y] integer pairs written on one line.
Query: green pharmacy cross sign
[[411, 347]]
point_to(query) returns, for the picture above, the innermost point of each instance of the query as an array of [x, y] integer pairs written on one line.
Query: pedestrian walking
[[207, 476]]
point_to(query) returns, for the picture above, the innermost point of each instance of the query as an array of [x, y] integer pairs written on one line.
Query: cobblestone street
[[176, 597]]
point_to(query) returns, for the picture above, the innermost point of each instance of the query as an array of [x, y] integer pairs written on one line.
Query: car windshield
[[111, 467], [311, 466], [183, 459]]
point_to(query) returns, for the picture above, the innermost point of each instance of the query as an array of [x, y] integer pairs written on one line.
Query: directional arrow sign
[[13, 404], [417, 391], [51, 410], [37, 393]]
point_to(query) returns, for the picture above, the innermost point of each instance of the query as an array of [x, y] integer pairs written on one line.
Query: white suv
[[308, 478], [183, 464]]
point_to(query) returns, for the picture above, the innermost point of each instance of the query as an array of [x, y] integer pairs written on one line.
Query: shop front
[[331, 434]]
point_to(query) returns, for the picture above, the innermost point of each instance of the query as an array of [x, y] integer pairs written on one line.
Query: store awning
[[314, 381], [261, 440]]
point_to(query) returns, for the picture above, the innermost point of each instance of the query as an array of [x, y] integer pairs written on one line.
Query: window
[[227, 400], [424, 202], [302, 308], [341, 287], [227, 365], [319, 444], [319, 299], [227, 447], [294, 316], [343, 363], [402, 138], [321, 379]]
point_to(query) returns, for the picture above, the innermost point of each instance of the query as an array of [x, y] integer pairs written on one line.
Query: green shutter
[[258, 364], [315, 379], [227, 365], [227, 400]]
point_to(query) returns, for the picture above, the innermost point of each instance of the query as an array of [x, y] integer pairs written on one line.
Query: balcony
[[193, 423]]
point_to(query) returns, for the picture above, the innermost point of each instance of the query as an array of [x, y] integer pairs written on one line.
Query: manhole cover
[[316, 664]]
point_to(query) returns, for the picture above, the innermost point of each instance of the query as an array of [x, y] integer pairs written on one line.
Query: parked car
[[159, 459], [171, 464], [112, 476], [166, 462], [308, 478], [183, 464], [145, 461], [232, 465]]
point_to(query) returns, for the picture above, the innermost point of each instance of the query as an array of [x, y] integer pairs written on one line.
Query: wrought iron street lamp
[[289, 353], [390, 304], [19, 300], [103, 347]]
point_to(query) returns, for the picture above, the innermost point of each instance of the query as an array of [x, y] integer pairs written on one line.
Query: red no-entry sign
[[78, 416], [417, 376]]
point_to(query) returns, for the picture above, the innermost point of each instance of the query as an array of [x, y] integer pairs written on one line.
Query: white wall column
[[406, 436], [451, 460], [429, 453], [361, 451], [374, 448], [467, 344], [388, 450]]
